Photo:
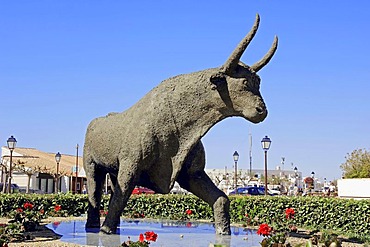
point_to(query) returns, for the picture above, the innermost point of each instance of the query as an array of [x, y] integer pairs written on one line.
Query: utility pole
[[76, 168], [250, 155]]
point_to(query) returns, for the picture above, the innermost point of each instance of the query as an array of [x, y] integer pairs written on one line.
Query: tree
[[5, 171], [20, 166], [357, 164]]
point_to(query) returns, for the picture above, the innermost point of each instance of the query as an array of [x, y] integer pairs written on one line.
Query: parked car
[[14, 187], [250, 191], [142, 190], [178, 190], [275, 192]]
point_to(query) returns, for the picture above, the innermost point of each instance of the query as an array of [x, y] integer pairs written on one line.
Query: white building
[[39, 169], [285, 180]]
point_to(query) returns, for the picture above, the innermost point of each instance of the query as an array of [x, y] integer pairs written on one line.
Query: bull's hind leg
[[95, 180], [195, 180], [122, 192]]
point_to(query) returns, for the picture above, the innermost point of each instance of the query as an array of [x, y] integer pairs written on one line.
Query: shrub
[[343, 216]]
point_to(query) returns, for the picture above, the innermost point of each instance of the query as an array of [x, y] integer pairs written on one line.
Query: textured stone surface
[[157, 141]]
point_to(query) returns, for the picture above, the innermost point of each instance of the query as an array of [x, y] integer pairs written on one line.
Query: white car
[[275, 192]]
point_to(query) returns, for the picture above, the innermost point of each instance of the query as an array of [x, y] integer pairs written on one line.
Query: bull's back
[[118, 135]]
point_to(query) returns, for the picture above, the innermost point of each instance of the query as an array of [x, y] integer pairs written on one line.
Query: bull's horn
[[234, 58], [261, 63]]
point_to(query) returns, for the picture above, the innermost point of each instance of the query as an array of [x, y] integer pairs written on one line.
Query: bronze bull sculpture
[[158, 140]]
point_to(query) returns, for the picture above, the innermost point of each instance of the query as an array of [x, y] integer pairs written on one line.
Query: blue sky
[[64, 63]]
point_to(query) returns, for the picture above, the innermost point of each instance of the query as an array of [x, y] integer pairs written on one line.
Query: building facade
[[283, 180], [37, 171]]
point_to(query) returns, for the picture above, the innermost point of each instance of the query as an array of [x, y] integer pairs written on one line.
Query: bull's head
[[238, 84]]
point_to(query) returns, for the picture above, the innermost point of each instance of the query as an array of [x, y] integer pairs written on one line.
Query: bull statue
[[158, 140]]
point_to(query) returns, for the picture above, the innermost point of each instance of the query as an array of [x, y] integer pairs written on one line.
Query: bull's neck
[[195, 107]]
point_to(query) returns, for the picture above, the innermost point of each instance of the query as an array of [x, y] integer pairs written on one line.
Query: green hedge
[[348, 217], [73, 205]]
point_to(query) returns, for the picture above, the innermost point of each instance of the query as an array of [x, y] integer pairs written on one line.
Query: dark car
[[142, 190], [249, 191], [14, 187], [30, 191]]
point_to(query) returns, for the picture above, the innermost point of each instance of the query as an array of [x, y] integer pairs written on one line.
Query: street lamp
[[266, 142], [236, 158], [296, 183], [313, 179], [11, 146], [58, 156]]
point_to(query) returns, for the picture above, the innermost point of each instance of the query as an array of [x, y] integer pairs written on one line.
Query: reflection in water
[[170, 233], [95, 238], [178, 224], [235, 230], [55, 224], [223, 240]]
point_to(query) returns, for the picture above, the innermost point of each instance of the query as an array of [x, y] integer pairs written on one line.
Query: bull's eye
[[246, 85], [245, 82]]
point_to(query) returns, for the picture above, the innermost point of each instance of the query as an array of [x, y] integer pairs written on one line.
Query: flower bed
[[342, 216]]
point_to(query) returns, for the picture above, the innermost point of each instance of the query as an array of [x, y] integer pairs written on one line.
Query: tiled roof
[[37, 159]]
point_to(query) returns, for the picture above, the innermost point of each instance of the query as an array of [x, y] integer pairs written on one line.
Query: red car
[[142, 190]]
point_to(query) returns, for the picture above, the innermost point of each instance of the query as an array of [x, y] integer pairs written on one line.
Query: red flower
[[188, 212], [42, 211], [289, 213], [57, 208], [141, 238], [27, 205], [19, 210], [151, 236], [264, 230]]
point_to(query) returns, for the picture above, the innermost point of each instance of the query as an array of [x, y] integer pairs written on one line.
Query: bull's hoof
[[92, 224], [106, 230], [223, 231]]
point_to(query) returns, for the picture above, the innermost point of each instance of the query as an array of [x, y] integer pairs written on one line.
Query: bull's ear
[[218, 80]]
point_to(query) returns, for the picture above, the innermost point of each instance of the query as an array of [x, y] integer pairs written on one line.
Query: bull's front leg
[[202, 186], [95, 180], [193, 178], [122, 191]]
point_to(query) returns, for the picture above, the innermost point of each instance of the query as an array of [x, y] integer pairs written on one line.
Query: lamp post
[[11, 146], [313, 179], [58, 156], [296, 172], [296, 179], [236, 158], [266, 142]]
